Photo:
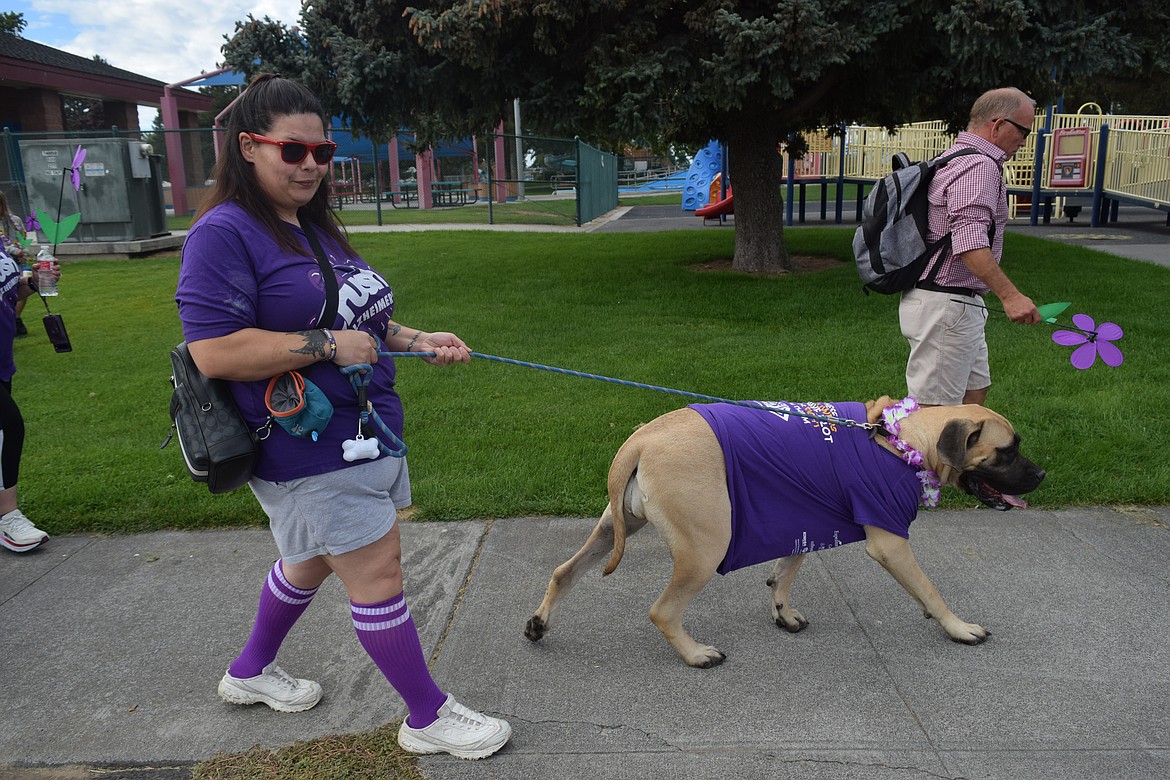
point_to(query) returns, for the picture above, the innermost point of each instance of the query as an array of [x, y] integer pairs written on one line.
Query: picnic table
[[443, 193]]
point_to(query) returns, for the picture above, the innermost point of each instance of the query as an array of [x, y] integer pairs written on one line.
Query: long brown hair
[[4, 212], [6, 220], [266, 99]]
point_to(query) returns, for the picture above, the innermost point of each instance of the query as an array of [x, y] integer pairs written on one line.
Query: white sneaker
[[462, 732], [273, 687], [18, 534]]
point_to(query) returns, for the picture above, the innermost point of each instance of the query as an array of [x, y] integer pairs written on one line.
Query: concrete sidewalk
[[112, 649]]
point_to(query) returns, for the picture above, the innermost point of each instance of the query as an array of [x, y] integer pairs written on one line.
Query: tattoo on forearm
[[316, 345], [394, 328]]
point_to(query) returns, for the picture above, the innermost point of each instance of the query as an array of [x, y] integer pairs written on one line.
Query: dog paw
[[792, 625], [706, 657], [788, 619], [969, 634], [535, 628]]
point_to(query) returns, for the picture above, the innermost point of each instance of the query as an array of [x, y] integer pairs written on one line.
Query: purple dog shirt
[[799, 485]]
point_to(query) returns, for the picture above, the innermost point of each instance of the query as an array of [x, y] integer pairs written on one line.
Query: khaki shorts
[[337, 512], [948, 350]]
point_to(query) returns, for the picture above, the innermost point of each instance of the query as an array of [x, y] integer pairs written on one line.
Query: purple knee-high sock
[[387, 632], [280, 606]]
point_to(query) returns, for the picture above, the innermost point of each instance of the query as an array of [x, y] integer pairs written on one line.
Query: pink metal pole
[[474, 162], [392, 149], [217, 126], [174, 144], [425, 177], [176, 165], [501, 167]]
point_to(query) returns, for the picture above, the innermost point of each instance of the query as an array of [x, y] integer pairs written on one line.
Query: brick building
[[44, 91], [36, 80]]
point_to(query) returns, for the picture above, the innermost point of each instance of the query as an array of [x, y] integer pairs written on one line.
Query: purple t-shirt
[[10, 272], [234, 275], [799, 485]]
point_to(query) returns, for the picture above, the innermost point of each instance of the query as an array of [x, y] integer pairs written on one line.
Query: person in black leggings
[[17, 533]]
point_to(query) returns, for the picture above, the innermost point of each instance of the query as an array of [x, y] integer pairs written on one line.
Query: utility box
[[121, 194]]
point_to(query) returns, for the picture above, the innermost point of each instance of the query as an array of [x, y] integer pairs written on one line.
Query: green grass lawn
[[492, 440], [529, 212]]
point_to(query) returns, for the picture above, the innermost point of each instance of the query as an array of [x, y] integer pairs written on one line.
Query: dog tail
[[625, 465]]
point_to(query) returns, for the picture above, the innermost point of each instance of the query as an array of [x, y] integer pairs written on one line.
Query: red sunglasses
[[292, 152]]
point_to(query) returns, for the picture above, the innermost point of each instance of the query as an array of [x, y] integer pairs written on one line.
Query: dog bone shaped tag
[[355, 449]]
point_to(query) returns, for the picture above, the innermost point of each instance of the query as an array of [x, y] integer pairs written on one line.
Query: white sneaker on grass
[[462, 732], [273, 687], [17, 533]]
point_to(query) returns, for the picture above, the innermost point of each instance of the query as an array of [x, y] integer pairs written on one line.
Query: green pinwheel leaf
[[48, 226], [66, 226], [56, 232], [1050, 311]]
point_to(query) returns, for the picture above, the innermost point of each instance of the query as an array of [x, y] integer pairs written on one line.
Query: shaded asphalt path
[[112, 648], [1138, 233]]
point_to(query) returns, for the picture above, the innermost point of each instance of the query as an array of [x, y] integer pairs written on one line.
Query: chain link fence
[[488, 170]]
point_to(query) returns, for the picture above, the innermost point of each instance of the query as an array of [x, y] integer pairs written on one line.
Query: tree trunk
[[755, 169]]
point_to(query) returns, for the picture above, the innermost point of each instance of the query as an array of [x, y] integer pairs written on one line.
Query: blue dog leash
[[360, 375], [626, 383]]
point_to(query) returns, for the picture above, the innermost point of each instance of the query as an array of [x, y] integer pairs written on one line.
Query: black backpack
[[218, 446], [891, 247]]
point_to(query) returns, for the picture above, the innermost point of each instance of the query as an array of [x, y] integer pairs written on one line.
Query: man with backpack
[[948, 362]]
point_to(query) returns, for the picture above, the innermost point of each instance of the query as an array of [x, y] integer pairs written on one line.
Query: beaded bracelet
[[332, 343]]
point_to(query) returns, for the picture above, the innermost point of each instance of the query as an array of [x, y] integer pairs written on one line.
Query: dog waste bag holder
[[298, 405]]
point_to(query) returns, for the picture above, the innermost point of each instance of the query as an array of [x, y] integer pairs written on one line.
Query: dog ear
[[954, 441]]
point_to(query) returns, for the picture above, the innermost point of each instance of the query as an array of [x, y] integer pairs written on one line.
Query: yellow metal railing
[[1138, 165], [1137, 161], [870, 150]]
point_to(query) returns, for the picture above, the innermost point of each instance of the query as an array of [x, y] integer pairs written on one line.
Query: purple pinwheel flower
[[75, 171], [1090, 343], [30, 223]]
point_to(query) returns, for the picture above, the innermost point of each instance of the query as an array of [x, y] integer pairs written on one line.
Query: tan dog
[[671, 473]]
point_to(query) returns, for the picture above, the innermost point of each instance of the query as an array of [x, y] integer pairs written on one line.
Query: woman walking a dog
[[251, 299]]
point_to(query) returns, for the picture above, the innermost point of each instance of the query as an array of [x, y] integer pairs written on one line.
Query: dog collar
[[892, 417]]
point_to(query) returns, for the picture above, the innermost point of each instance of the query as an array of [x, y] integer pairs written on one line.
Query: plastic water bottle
[[43, 272]]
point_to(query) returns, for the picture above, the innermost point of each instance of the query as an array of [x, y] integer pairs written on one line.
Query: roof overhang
[[18, 73]]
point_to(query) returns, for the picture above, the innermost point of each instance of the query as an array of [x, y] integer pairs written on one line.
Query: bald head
[[1004, 117], [997, 103]]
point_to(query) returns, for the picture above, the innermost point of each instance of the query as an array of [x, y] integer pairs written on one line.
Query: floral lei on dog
[[892, 417]]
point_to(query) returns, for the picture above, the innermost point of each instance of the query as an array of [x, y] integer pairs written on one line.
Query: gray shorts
[[334, 513], [948, 350]]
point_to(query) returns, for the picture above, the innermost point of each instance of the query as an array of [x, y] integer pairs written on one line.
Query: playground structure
[[717, 206], [1104, 159], [707, 165], [706, 191]]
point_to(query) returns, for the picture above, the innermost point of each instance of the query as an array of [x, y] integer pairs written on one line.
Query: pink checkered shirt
[[968, 198]]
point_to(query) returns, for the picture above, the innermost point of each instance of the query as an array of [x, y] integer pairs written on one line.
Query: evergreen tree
[[12, 22], [747, 72]]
